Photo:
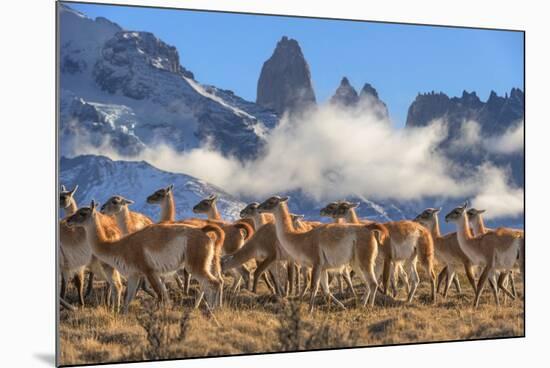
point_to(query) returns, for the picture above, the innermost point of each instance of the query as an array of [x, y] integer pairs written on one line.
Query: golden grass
[[252, 323]]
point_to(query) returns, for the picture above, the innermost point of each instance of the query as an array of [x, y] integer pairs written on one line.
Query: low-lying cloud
[[510, 142], [471, 138], [331, 153]]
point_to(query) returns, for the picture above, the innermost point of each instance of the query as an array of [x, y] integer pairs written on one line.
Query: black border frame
[[57, 115]]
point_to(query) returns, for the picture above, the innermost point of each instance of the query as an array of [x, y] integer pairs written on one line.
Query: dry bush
[[160, 332], [295, 333]]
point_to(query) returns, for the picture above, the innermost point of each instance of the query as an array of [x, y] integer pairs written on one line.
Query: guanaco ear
[[213, 197], [93, 205], [480, 211], [170, 188], [63, 189], [437, 210], [72, 192], [299, 217], [354, 205], [465, 204], [284, 199], [127, 201]]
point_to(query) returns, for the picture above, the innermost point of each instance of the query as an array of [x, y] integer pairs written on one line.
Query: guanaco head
[[457, 213], [344, 209], [250, 210], [160, 195], [473, 212], [206, 204], [114, 205], [82, 216], [330, 209], [296, 219], [428, 216], [271, 204], [66, 196]]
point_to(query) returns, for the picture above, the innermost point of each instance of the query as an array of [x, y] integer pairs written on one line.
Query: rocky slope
[[128, 89]]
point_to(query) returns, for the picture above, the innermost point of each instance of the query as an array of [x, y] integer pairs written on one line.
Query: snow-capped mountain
[[127, 89], [99, 178]]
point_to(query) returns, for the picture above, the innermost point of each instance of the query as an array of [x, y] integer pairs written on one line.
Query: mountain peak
[[345, 94], [369, 90], [285, 79]]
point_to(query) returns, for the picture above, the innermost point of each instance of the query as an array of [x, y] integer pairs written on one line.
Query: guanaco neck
[[168, 209], [478, 225], [436, 233], [95, 235], [351, 217], [259, 219], [71, 208], [213, 213], [283, 220], [465, 238], [123, 220]]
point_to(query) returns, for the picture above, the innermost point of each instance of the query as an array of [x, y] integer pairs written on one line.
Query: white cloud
[[496, 194], [509, 142], [469, 136], [331, 153]]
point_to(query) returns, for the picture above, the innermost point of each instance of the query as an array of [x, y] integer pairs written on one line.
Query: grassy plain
[[250, 323]]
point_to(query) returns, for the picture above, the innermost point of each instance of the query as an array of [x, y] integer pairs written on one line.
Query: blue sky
[[228, 50]]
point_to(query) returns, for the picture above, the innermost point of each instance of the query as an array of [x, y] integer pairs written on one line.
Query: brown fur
[[153, 251], [72, 240], [447, 249], [322, 247], [234, 238], [398, 233], [497, 250]]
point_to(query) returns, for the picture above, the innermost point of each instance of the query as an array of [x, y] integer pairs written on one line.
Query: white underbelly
[[507, 259], [335, 257], [168, 259], [404, 250], [75, 256]]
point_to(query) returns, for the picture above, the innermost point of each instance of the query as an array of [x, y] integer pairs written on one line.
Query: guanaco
[[325, 247], [153, 251], [75, 254], [344, 212], [342, 273], [477, 223], [406, 241], [129, 222], [447, 251], [496, 251], [234, 236], [264, 247]]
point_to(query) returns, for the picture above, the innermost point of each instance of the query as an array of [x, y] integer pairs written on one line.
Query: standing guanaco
[[478, 227], [75, 254], [326, 247], [153, 251], [233, 239], [129, 222], [447, 251], [405, 242], [496, 251]]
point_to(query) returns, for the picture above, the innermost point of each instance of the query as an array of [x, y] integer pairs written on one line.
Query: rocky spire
[[345, 94], [369, 94], [285, 79]]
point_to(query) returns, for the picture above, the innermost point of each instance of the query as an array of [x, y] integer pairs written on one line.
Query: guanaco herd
[[290, 255]]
